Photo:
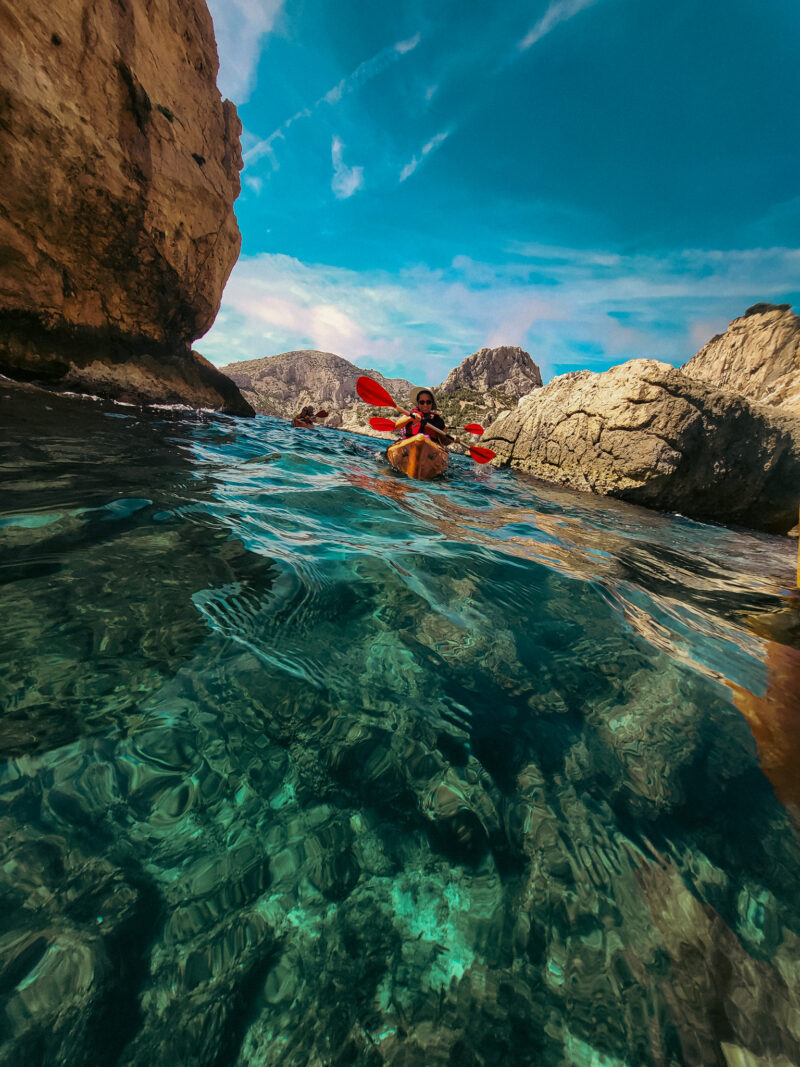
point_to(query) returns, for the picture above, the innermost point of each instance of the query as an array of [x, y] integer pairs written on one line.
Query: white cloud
[[353, 81], [406, 46], [240, 26], [409, 168], [346, 180], [431, 146], [579, 309], [369, 68], [558, 11], [253, 183]]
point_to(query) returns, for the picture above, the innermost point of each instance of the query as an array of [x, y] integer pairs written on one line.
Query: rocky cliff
[[487, 383], [757, 356], [483, 384], [120, 167], [281, 385], [647, 433], [508, 368]]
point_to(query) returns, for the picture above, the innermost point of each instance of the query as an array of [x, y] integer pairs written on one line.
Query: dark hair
[[430, 394]]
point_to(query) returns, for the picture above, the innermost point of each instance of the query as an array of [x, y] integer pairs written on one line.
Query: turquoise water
[[305, 763]]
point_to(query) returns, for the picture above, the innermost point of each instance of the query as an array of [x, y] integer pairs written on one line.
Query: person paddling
[[423, 417], [305, 420]]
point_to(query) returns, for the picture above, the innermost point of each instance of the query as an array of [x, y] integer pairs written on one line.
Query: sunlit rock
[[647, 433], [757, 356], [120, 168]]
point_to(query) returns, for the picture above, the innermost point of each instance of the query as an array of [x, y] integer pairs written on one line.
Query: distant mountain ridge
[[483, 384]]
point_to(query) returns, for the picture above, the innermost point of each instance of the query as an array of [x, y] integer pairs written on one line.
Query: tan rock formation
[[487, 383], [646, 433], [281, 385], [120, 167], [508, 368], [483, 384], [758, 356]]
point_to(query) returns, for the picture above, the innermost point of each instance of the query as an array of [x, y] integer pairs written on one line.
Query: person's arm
[[440, 434]]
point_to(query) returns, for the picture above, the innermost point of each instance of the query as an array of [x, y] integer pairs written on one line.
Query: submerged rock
[[120, 168], [757, 356], [646, 433]]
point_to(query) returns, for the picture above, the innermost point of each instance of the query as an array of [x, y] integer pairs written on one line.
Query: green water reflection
[[304, 767]]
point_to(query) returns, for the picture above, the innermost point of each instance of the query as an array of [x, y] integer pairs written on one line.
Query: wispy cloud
[[254, 183], [240, 26], [568, 308], [346, 180], [431, 146], [365, 71], [558, 11]]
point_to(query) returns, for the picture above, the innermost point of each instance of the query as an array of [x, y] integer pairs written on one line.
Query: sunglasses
[[424, 401]]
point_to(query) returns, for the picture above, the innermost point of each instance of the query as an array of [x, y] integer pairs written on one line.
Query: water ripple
[[306, 762]]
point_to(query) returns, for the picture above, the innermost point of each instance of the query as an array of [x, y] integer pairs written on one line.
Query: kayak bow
[[418, 457]]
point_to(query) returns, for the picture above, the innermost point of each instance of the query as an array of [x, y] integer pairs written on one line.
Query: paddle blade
[[372, 393], [381, 424], [481, 455], [474, 427], [321, 415]]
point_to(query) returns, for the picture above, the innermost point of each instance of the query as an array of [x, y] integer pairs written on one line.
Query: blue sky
[[595, 180]]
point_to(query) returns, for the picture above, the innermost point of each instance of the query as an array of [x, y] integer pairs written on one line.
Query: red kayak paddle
[[372, 393]]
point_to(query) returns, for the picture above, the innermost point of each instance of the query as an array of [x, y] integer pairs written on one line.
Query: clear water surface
[[305, 763]]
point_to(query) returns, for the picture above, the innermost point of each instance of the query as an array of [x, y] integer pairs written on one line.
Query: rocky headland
[[284, 384], [485, 384], [479, 388], [757, 356], [120, 167], [717, 440], [650, 434]]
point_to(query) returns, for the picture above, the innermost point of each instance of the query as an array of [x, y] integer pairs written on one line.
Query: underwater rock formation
[[412, 807], [120, 168], [757, 356], [646, 433]]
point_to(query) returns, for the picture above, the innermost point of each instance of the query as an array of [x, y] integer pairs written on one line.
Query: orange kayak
[[418, 457]]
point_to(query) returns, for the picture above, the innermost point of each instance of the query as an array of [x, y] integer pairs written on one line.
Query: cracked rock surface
[[647, 433], [120, 167], [758, 356]]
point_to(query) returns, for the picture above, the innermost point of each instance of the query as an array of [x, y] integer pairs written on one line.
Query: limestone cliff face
[[483, 384], [508, 368], [488, 382], [281, 385], [647, 433], [120, 167], [758, 356]]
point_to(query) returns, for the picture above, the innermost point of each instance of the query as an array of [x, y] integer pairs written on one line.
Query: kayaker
[[424, 415], [305, 420]]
